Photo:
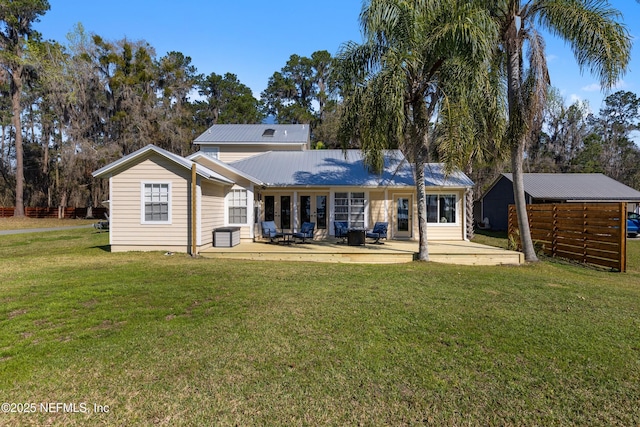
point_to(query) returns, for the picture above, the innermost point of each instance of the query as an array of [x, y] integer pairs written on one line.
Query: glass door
[[285, 213], [403, 216], [278, 209]]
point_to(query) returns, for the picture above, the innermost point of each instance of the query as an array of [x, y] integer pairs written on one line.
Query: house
[[244, 174], [234, 142], [552, 188]]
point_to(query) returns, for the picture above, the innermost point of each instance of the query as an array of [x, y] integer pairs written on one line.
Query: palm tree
[[599, 43], [469, 132], [395, 83]]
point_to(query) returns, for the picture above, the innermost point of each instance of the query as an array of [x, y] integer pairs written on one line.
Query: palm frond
[[598, 40]]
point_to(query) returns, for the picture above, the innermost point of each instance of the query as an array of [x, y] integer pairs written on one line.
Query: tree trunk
[[517, 154], [516, 131], [468, 205], [468, 208], [423, 251], [16, 90]]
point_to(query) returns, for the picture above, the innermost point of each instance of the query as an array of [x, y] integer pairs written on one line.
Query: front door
[[277, 208], [403, 216]]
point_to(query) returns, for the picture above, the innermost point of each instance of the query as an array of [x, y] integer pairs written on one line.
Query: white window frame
[[143, 215], [229, 204], [351, 208], [456, 205], [213, 152]]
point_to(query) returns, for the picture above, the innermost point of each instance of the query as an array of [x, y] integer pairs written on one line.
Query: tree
[[176, 77], [468, 133], [227, 100], [396, 82], [611, 149], [563, 132], [292, 91], [599, 43], [16, 19]]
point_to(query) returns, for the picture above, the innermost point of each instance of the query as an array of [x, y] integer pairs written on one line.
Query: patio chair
[[269, 231], [341, 230], [306, 231], [379, 232], [102, 225]]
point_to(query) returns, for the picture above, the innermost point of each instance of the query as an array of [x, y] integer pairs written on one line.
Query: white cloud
[[594, 87], [573, 98], [551, 58], [620, 84]]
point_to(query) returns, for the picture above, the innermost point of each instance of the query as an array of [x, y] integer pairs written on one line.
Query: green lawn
[[170, 340]]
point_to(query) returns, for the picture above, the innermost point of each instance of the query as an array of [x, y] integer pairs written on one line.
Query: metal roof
[[576, 187], [200, 170], [199, 155], [341, 168], [255, 134]]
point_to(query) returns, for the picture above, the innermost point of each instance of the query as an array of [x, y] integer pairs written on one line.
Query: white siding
[[127, 199], [377, 208], [212, 210], [231, 154]]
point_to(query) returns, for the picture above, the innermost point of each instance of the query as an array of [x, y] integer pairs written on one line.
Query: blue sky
[[253, 39]]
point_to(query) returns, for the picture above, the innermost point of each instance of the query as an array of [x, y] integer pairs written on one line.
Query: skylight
[[268, 132]]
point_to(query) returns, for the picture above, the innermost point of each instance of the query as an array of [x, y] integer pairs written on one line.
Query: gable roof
[[258, 134], [200, 156], [341, 168], [181, 161], [576, 187]]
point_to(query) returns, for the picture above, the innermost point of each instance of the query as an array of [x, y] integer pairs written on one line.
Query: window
[[237, 207], [269, 208], [349, 208], [321, 212], [305, 209], [156, 199], [213, 152], [441, 209], [268, 132]]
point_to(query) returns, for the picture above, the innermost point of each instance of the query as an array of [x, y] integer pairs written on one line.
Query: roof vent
[[268, 132]]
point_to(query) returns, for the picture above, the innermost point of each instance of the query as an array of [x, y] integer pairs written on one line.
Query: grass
[[12, 223], [171, 340]]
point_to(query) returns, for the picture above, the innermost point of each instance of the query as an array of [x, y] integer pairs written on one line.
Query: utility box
[[226, 237]]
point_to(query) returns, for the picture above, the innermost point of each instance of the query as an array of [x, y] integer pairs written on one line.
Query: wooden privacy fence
[[592, 233], [56, 212]]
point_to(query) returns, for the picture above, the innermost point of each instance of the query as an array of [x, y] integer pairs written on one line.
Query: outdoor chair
[[269, 230], [102, 225], [379, 232], [341, 230], [306, 231]]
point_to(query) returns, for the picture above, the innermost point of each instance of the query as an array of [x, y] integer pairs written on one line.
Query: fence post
[[554, 231], [584, 233], [623, 237]]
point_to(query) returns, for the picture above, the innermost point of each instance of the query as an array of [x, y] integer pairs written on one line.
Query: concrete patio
[[391, 252]]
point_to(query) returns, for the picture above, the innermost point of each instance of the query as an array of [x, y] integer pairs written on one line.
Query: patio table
[[287, 239], [356, 236]]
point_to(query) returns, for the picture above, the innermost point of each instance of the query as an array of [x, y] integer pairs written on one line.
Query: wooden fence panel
[[592, 233], [37, 212]]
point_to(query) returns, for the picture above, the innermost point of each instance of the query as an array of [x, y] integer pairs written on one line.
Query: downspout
[[194, 222]]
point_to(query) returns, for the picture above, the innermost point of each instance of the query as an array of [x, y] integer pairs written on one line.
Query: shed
[[552, 188]]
